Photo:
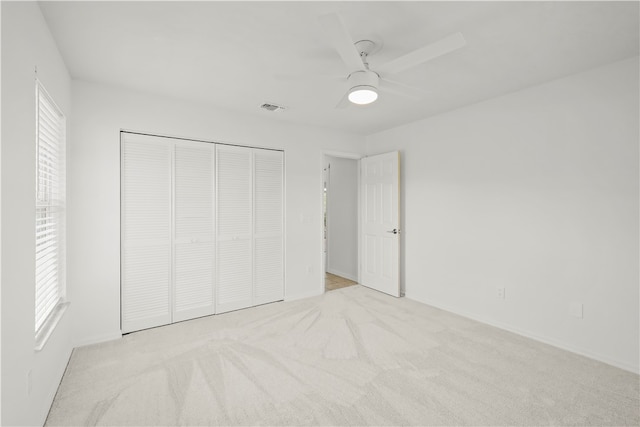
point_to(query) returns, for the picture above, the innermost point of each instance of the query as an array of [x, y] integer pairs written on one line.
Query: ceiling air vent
[[272, 107]]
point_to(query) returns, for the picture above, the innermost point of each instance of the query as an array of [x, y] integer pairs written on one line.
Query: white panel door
[[380, 238], [146, 232], [268, 250], [194, 256], [234, 204]]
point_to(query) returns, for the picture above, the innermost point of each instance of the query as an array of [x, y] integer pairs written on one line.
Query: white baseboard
[[302, 296], [98, 339], [546, 340], [342, 274]]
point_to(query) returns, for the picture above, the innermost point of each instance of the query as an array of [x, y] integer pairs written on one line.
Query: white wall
[[0, 226], [537, 192], [26, 43], [342, 216], [100, 113]]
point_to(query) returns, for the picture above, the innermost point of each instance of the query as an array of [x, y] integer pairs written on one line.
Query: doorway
[[340, 213]]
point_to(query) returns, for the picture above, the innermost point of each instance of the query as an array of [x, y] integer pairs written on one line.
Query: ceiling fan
[[364, 83]]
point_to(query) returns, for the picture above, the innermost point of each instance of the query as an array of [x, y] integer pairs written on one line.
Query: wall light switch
[[576, 309], [305, 219]]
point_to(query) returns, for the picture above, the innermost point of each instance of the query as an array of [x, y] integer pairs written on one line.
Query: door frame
[[344, 155]]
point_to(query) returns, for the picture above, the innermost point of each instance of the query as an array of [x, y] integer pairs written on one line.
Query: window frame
[[50, 216]]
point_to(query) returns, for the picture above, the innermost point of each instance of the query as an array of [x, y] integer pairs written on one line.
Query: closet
[[201, 229]]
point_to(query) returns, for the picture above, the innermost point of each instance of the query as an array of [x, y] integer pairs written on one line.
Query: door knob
[[394, 231]]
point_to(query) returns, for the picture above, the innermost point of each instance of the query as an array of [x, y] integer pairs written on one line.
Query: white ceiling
[[238, 55]]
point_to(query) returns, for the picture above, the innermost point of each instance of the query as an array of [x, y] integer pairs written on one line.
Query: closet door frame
[[172, 316]]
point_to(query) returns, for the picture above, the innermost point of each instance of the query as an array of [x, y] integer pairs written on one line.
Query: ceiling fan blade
[[307, 77], [341, 40], [423, 54], [344, 102], [402, 89]]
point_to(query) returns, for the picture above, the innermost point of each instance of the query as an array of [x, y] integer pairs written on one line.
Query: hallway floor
[[333, 282]]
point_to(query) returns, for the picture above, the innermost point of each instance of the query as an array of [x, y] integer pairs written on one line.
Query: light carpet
[[349, 357]]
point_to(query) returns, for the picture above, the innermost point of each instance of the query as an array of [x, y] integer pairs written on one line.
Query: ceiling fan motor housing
[[364, 79]]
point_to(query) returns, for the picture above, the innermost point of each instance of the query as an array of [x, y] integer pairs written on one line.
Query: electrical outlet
[[500, 293], [576, 310]]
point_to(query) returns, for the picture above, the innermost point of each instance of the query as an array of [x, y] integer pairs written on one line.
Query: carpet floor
[[352, 356]]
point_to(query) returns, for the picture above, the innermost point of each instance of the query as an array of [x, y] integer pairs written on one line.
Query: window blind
[[50, 207]]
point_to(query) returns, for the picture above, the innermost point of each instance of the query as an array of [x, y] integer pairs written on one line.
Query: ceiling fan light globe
[[363, 95]]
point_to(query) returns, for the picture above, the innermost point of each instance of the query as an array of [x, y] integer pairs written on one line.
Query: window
[[50, 214]]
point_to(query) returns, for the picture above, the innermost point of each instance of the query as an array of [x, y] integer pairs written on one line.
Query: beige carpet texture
[[351, 357]]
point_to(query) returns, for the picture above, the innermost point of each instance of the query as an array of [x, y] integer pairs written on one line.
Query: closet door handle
[[394, 231]]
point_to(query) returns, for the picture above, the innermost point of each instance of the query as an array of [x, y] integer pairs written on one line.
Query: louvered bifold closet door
[[234, 285], [146, 232], [194, 258], [268, 226]]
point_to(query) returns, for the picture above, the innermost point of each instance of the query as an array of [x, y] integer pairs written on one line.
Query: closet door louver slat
[[146, 232], [234, 286], [234, 290], [268, 227], [193, 230]]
